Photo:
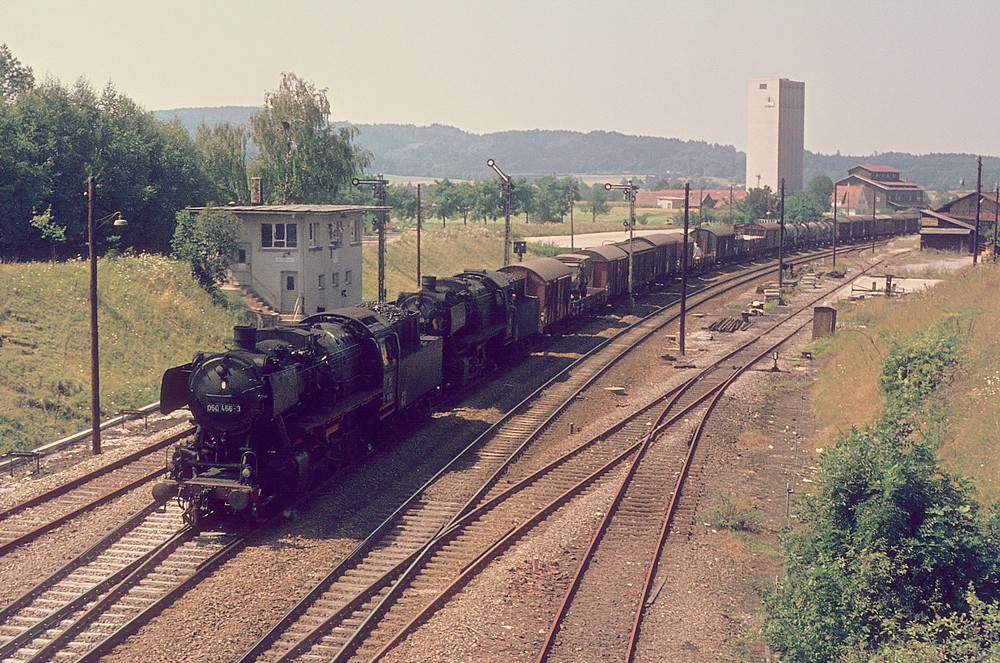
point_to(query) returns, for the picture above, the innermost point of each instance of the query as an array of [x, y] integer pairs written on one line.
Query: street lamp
[[506, 191], [95, 370], [629, 195]]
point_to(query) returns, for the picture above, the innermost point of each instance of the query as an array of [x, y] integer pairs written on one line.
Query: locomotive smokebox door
[[174, 388]]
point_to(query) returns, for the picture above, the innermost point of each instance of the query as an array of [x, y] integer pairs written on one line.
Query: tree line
[[53, 137]]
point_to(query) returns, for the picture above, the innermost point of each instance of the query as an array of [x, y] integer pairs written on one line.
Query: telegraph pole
[[979, 204], [781, 238], [419, 220], [378, 192], [684, 270], [506, 192], [996, 219], [835, 227]]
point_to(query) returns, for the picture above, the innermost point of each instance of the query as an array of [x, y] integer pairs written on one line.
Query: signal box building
[[301, 259]]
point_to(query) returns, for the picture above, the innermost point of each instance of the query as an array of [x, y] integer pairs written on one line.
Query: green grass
[[846, 393], [151, 316]]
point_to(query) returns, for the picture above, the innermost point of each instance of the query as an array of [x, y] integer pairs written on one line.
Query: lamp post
[[378, 192], [506, 191], [95, 364], [629, 195]]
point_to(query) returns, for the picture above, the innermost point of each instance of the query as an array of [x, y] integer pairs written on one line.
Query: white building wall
[[324, 264], [775, 133]]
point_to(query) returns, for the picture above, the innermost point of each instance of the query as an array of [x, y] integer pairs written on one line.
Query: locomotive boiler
[[289, 405], [480, 315]]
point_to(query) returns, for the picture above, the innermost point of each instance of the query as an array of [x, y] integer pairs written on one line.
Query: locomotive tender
[[291, 404]]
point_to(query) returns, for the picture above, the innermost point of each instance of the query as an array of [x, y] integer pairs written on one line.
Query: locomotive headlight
[[246, 472]]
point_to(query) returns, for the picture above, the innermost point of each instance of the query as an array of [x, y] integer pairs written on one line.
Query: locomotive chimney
[[245, 337], [429, 283]]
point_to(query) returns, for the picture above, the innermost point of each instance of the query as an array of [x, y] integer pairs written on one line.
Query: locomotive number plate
[[228, 408]]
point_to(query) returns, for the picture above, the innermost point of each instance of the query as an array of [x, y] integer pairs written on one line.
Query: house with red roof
[[880, 189]]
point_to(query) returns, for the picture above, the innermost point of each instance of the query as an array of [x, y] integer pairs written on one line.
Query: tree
[[207, 241], [893, 548], [50, 230], [222, 156], [302, 158], [402, 198], [552, 196], [15, 78], [759, 202], [598, 201]]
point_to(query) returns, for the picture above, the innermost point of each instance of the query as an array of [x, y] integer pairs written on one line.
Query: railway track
[[334, 618], [104, 595], [658, 459], [28, 520]]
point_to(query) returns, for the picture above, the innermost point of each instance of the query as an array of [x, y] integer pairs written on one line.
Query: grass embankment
[[152, 315], [847, 394]]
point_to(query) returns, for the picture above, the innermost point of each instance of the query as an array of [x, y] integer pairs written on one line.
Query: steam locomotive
[[288, 404], [291, 404]]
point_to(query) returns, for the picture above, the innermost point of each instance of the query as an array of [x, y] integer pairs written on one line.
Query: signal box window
[[279, 235]]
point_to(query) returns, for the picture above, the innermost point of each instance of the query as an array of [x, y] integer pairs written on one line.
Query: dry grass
[[846, 394]]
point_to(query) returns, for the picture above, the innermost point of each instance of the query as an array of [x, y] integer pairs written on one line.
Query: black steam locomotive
[[289, 404], [480, 315]]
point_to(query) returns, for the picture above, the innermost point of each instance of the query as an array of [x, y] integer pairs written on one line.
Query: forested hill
[[441, 151]]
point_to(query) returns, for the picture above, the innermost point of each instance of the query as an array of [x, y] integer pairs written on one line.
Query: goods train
[[290, 404]]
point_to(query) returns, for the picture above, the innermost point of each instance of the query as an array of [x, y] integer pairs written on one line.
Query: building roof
[[304, 208], [947, 218], [895, 185], [876, 168], [945, 231], [696, 196]]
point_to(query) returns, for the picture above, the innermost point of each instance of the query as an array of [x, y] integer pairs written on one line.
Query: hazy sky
[[917, 76]]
